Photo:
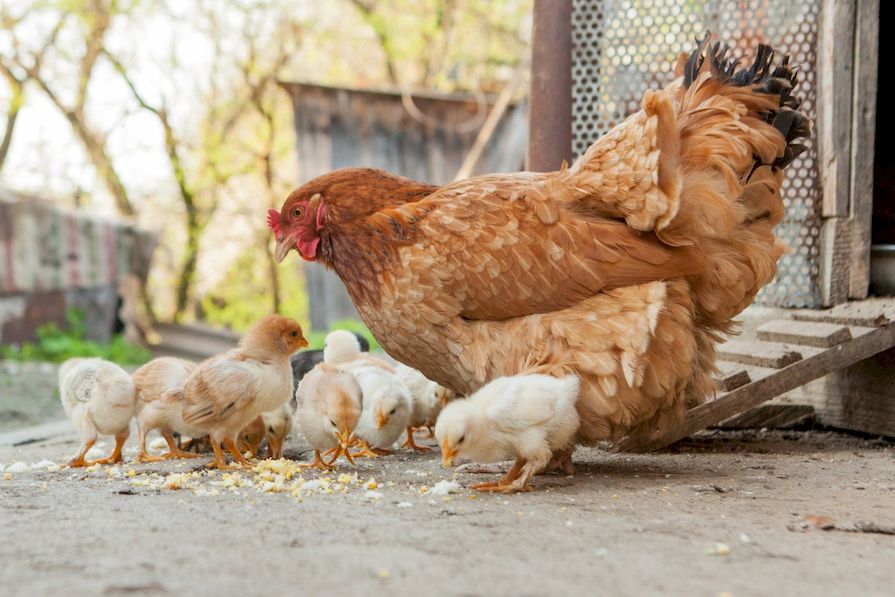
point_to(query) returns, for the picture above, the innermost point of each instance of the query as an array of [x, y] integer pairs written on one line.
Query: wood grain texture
[[818, 334], [749, 396]]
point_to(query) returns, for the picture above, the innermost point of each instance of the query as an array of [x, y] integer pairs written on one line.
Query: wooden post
[[863, 138], [550, 108], [834, 137]]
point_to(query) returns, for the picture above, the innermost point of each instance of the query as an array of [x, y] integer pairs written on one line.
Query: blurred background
[[142, 141]]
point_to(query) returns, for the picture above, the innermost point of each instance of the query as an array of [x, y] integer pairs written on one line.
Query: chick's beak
[[381, 420], [284, 245], [447, 456]]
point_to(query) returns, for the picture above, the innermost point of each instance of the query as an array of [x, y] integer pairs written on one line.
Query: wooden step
[[758, 353], [772, 416], [805, 333]]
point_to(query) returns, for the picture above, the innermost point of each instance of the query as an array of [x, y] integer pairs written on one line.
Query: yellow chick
[[342, 349], [526, 417], [100, 399], [226, 392], [329, 405], [159, 386]]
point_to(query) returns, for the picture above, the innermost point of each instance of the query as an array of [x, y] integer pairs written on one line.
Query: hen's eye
[[298, 212]]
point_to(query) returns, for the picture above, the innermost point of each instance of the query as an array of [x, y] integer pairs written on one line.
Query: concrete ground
[[722, 514]]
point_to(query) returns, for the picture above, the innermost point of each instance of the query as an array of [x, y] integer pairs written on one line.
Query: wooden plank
[[835, 260], [835, 78], [751, 395], [872, 312], [733, 380], [863, 138], [772, 416], [807, 333], [760, 354]]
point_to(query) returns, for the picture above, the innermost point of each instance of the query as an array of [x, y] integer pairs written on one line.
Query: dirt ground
[[722, 514]]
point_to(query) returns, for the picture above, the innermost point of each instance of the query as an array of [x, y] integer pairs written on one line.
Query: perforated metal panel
[[622, 48]]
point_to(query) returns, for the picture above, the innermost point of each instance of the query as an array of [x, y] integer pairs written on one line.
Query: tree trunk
[[187, 274], [15, 104], [96, 151]]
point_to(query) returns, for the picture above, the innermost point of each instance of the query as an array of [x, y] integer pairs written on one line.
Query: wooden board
[[773, 416], [760, 354], [806, 333], [865, 343]]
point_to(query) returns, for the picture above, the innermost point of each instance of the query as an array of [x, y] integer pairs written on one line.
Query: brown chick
[[252, 436], [228, 391]]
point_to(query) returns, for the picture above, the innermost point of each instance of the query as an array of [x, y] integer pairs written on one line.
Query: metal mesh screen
[[623, 47]]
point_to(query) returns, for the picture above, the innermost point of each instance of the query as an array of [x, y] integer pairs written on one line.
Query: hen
[[623, 269]]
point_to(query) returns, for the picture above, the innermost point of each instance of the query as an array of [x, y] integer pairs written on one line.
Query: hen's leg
[[115, 456], [409, 443], [561, 460]]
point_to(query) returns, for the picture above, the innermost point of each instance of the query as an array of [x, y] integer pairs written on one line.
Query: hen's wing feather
[[500, 254]]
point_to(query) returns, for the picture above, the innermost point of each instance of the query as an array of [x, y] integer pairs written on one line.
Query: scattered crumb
[[383, 573], [721, 549], [17, 467], [7, 476], [405, 505], [372, 495], [372, 484], [445, 488]]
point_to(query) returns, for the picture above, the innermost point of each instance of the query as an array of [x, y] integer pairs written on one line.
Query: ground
[[623, 525]]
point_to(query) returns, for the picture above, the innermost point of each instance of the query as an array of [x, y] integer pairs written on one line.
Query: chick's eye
[[293, 333], [298, 212], [393, 411], [460, 441], [331, 422]]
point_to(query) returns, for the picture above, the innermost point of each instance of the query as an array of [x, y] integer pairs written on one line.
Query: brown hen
[[623, 269]]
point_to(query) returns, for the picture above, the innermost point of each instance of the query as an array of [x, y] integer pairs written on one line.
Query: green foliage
[[315, 338], [56, 345]]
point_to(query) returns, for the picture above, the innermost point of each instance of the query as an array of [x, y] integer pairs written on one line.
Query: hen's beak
[[381, 420], [447, 456], [284, 245]]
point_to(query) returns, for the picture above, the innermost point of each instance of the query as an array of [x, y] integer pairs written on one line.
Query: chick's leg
[[409, 443], [143, 455], [275, 448], [561, 460], [115, 456], [318, 461], [508, 478], [173, 450], [366, 450], [219, 462], [78, 460], [235, 453], [521, 482]]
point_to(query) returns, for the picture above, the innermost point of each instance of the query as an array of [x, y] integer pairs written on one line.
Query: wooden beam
[[773, 416], [760, 391], [550, 108], [863, 138], [805, 333], [836, 78]]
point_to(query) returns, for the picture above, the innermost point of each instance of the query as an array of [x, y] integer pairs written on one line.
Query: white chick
[[277, 426], [100, 399], [528, 417], [386, 410], [329, 405], [159, 385], [427, 399], [342, 349]]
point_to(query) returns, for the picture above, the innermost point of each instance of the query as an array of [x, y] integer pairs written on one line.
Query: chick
[[100, 399], [277, 426], [252, 436], [226, 392], [343, 349], [386, 409], [427, 399], [329, 405], [528, 417], [159, 384], [306, 360]]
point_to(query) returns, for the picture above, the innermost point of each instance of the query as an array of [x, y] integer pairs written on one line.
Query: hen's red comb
[[273, 220]]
